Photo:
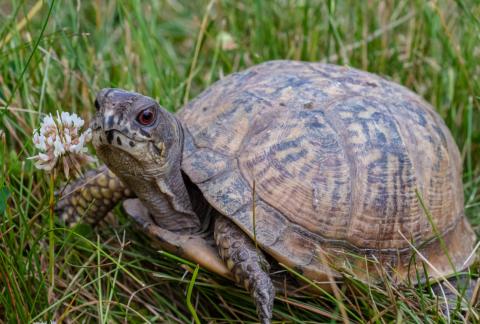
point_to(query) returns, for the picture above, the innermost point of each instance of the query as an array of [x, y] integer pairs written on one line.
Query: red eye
[[146, 117]]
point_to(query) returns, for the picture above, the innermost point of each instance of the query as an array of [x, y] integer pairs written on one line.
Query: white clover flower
[[60, 141]]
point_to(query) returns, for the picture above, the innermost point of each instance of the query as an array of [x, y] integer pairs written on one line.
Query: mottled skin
[[337, 156], [247, 264], [93, 196]]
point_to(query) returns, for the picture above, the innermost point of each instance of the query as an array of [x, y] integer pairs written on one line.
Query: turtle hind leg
[[465, 285], [247, 264], [91, 197]]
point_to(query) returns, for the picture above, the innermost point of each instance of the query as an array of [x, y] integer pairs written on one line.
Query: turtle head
[[134, 135], [142, 143]]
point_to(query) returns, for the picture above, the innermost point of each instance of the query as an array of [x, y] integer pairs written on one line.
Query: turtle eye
[[146, 117]]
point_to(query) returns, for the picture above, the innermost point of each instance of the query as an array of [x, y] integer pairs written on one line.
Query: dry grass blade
[[201, 33]]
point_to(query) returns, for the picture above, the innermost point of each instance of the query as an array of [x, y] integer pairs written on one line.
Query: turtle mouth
[[122, 152], [115, 138], [115, 145]]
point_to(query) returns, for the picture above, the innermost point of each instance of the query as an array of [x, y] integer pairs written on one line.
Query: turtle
[[314, 166]]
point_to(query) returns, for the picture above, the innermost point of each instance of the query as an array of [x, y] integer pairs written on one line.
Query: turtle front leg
[[91, 197], [247, 264]]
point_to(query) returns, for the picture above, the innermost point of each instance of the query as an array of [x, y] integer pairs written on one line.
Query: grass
[[55, 55]]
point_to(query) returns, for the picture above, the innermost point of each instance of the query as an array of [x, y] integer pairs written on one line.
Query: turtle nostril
[[97, 105], [94, 124], [109, 134]]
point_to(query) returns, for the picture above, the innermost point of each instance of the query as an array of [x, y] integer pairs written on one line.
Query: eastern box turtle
[[321, 167]]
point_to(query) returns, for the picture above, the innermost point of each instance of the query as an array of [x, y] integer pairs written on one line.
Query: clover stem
[[51, 237]]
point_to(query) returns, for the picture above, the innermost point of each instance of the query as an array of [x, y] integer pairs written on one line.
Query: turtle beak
[[94, 124]]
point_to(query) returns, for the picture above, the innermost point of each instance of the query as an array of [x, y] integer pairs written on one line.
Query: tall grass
[[57, 54]]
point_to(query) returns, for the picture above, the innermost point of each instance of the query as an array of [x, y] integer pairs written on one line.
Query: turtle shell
[[327, 167]]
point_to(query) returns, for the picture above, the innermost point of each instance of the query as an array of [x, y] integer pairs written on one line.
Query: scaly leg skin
[[465, 285], [247, 264], [91, 197]]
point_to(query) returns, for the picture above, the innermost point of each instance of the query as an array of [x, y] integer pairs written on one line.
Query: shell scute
[[205, 164], [227, 192]]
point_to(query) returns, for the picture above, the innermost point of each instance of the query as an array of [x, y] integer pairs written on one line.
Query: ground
[[55, 55]]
